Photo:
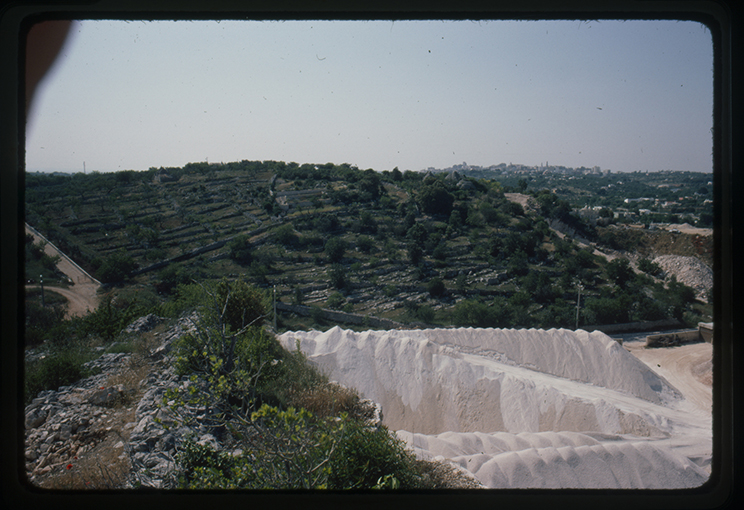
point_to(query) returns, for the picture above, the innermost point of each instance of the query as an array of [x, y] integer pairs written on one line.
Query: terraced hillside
[[429, 248]]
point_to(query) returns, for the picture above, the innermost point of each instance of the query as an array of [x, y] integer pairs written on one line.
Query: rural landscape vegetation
[[246, 250]]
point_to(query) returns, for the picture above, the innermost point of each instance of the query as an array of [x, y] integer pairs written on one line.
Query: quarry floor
[[687, 367]]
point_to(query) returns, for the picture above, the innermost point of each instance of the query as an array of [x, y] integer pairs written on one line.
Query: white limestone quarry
[[523, 408]]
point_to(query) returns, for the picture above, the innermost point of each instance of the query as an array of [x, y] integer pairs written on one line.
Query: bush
[[435, 199], [294, 449], [365, 455], [425, 314], [170, 277], [285, 235], [436, 287], [40, 320], [335, 301], [239, 250], [111, 317], [61, 367], [473, 313], [365, 244], [619, 271], [649, 267], [116, 267]]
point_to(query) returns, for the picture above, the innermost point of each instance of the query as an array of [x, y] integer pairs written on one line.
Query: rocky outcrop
[[73, 420], [62, 424]]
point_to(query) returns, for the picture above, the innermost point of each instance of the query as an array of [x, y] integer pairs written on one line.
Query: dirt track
[[687, 367], [83, 293]]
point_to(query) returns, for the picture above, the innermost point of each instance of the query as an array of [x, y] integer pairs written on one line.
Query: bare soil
[[687, 367]]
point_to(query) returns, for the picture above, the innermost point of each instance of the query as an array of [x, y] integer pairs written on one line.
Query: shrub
[[365, 455], [619, 271], [426, 314], [390, 290], [116, 267], [294, 449], [649, 267], [335, 301], [435, 199], [239, 250], [472, 313], [40, 320], [415, 253], [285, 235], [365, 244], [112, 315], [440, 252], [60, 367], [436, 287]]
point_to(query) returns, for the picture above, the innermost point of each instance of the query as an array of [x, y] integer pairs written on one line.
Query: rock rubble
[[689, 270], [64, 424]]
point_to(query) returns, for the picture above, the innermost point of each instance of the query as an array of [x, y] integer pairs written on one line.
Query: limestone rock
[[107, 396]]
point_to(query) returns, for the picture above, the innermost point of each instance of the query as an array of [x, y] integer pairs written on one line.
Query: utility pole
[[41, 279], [578, 304], [274, 308]]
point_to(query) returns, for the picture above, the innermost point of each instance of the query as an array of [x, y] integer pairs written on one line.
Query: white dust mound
[[553, 460], [467, 384], [466, 379]]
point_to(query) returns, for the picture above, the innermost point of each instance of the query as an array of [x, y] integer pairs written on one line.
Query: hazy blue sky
[[624, 96]]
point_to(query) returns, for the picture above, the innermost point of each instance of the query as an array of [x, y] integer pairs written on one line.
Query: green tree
[[335, 248], [241, 304], [415, 253], [417, 234], [239, 250], [337, 275], [436, 287], [370, 185], [619, 271], [116, 267], [285, 235], [365, 244], [473, 313], [335, 301], [435, 199]]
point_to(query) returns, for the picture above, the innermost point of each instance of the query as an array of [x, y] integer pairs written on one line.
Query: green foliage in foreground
[[294, 449], [242, 375], [61, 367], [68, 343]]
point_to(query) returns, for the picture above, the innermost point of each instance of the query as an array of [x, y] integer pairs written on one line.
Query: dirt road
[[687, 367], [77, 305], [83, 294]]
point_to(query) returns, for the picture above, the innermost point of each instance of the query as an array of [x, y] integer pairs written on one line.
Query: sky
[[624, 96]]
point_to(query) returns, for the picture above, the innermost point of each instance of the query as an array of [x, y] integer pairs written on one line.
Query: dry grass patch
[[324, 400], [440, 475], [130, 376], [103, 468]]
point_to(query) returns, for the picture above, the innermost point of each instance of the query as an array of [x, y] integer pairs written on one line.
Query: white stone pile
[[523, 408]]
